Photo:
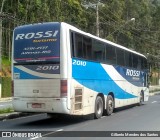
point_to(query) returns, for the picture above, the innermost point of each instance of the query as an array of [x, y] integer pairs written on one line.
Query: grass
[[6, 77], [6, 62], [6, 87], [7, 110]]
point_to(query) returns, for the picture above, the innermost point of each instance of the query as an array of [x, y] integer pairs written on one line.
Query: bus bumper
[[45, 105]]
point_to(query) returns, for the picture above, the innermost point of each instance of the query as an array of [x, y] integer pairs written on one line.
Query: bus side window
[[120, 57], [128, 59], [139, 64], [87, 47], [72, 44], [98, 51], [110, 54], [78, 46], [81, 46], [135, 61], [144, 64]]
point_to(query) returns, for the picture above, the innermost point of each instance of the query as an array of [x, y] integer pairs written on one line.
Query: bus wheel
[[109, 105], [98, 108], [141, 98]]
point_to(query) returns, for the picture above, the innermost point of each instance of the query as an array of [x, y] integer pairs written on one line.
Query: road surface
[[134, 118]]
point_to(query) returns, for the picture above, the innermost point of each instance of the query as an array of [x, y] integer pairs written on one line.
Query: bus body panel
[[83, 99], [38, 83], [103, 78], [44, 88], [40, 90]]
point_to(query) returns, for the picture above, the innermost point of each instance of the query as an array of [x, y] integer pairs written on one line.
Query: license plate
[[36, 105]]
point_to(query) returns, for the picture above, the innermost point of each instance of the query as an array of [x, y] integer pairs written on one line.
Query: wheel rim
[[110, 105], [99, 107]]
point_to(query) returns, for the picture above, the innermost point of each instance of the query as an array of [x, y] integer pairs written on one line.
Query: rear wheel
[[109, 105], [98, 107]]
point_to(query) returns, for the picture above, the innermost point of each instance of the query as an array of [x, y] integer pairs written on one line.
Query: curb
[[13, 115], [9, 115], [154, 93], [5, 99]]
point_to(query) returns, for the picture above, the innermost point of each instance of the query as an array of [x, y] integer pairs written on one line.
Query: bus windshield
[[37, 43]]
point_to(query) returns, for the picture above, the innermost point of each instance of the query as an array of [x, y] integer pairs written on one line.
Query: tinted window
[[120, 56], [87, 48], [98, 51], [128, 59], [82, 47], [72, 44], [110, 54], [135, 61], [78, 46], [91, 49], [139, 64], [144, 63]]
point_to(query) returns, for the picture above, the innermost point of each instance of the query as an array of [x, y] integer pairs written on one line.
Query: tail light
[[63, 88], [12, 88]]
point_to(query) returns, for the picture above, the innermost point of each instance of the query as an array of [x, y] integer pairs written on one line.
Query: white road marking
[[47, 134], [34, 138], [154, 102]]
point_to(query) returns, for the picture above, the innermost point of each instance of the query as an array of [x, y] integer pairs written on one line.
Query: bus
[[58, 68]]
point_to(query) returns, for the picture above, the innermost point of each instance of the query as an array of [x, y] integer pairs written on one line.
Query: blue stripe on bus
[[24, 75], [93, 76]]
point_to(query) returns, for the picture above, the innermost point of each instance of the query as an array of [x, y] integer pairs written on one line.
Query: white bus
[[58, 68]]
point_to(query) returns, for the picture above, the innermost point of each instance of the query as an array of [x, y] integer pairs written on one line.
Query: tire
[[141, 99], [109, 105], [98, 107]]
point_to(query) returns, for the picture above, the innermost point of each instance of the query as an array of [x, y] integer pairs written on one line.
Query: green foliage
[[6, 87], [7, 110], [143, 35], [6, 62]]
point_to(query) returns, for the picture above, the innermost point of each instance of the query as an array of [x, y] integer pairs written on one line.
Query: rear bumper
[[48, 105]]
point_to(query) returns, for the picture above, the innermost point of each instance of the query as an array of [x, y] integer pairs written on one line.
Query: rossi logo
[[132, 73], [37, 35]]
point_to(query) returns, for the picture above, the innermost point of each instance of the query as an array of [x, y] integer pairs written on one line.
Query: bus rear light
[[63, 88], [12, 84]]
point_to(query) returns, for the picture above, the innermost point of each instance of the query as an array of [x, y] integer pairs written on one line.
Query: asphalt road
[[133, 118]]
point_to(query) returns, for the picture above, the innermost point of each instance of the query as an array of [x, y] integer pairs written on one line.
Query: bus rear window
[[36, 43]]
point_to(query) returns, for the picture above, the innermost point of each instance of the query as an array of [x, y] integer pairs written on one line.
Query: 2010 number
[[79, 63], [47, 68]]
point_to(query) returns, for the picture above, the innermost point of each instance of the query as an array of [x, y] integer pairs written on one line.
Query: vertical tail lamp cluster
[[63, 88]]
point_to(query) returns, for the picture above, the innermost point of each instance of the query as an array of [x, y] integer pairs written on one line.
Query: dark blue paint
[[21, 44]]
